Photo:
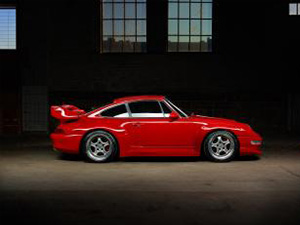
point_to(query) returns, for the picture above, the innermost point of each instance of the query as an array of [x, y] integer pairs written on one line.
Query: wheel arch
[[215, 130]]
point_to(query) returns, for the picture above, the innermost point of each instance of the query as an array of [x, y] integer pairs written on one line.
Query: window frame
[[171, 109], [11, 6], [135, 19], [297, 4], [189, 19], [167, 102]]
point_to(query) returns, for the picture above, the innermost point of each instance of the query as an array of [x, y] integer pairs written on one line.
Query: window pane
[[140, 45], [173, 26], [206, 44], [172, 44], [207, 10], [145, 109], [196, 10], [7, 28], [195, 27], [130, 11], [195, 44], [192, 21], [119, 27], [141, 10], [117, 44], [206, 27], [107, 27], [129, 44], [184, 44], [107, 11], [107, 43], [298, 8], [173, 10], [184, 27], [293, 9], [118, 10], [117, 111], [184, 10], [141, 27], [130, 27], [124, 26]]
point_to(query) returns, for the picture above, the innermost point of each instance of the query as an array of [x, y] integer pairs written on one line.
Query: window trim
[[176, 109], [167, 102], [164, 102], [11, 6]]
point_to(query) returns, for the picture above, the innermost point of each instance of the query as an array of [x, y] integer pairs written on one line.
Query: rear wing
[[66, 112]]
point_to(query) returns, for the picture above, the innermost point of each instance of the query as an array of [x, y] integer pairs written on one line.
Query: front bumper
[[68, 143], [250, 145]]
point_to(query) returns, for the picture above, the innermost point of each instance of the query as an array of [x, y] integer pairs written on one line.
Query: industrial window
[[294, 9], [7, 28], [123, 26], [190, 26]]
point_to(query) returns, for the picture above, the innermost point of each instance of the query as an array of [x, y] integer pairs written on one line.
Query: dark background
[[251, 74]]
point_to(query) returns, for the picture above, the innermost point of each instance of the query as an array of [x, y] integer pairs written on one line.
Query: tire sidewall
[[220, 132], [114, 147]]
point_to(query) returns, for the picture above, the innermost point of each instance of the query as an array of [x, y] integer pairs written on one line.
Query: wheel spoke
[[214, 145], [227, 142], [93, 144], [219, 139]]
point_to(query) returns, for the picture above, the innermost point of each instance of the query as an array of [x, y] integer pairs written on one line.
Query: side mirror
[[173, 115]]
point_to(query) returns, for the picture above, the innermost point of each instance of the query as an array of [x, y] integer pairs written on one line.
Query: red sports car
[[149, 126]]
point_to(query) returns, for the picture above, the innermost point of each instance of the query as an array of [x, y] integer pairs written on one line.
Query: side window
[[117, 111], [145, 109], [166, 109]]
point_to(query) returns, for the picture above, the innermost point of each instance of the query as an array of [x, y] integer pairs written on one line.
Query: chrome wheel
[[221, 146], [99, 146]]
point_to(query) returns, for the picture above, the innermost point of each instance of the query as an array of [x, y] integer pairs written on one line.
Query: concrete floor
[[37, 186]]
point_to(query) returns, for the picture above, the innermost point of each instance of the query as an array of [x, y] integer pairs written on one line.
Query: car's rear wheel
[[221, 146], [100, 146]]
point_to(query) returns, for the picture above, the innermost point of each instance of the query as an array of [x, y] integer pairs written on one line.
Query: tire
[[221, 146], [100, 146]]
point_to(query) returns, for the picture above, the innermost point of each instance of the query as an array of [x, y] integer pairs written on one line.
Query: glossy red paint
[[163, 136]]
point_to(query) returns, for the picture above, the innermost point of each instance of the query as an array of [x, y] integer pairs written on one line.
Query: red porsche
[[149, 126]]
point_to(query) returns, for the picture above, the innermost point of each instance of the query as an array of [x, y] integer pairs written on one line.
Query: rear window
[[117, 111]]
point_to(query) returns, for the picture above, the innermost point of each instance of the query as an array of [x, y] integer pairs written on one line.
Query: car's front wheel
[[100, 146], [221, 146]]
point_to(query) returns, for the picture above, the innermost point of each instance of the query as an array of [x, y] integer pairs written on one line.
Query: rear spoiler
[[66, 112]]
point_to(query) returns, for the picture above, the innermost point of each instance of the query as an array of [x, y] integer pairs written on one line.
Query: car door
[[153, 133]]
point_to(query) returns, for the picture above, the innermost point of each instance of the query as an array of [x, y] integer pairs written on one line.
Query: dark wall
[[250, 75]]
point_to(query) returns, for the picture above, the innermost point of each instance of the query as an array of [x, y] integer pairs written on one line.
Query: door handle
[[136, 124]]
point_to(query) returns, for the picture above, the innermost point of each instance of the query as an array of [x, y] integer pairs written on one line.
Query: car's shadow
[[71, 157], [181, 159]]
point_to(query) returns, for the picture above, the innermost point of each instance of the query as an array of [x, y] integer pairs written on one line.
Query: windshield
[[178, 110]]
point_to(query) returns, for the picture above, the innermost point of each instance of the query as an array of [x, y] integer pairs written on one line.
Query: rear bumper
[[68, 143], [250, 145]]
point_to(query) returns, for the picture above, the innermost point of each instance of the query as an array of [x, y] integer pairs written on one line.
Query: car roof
[[140, 97]]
